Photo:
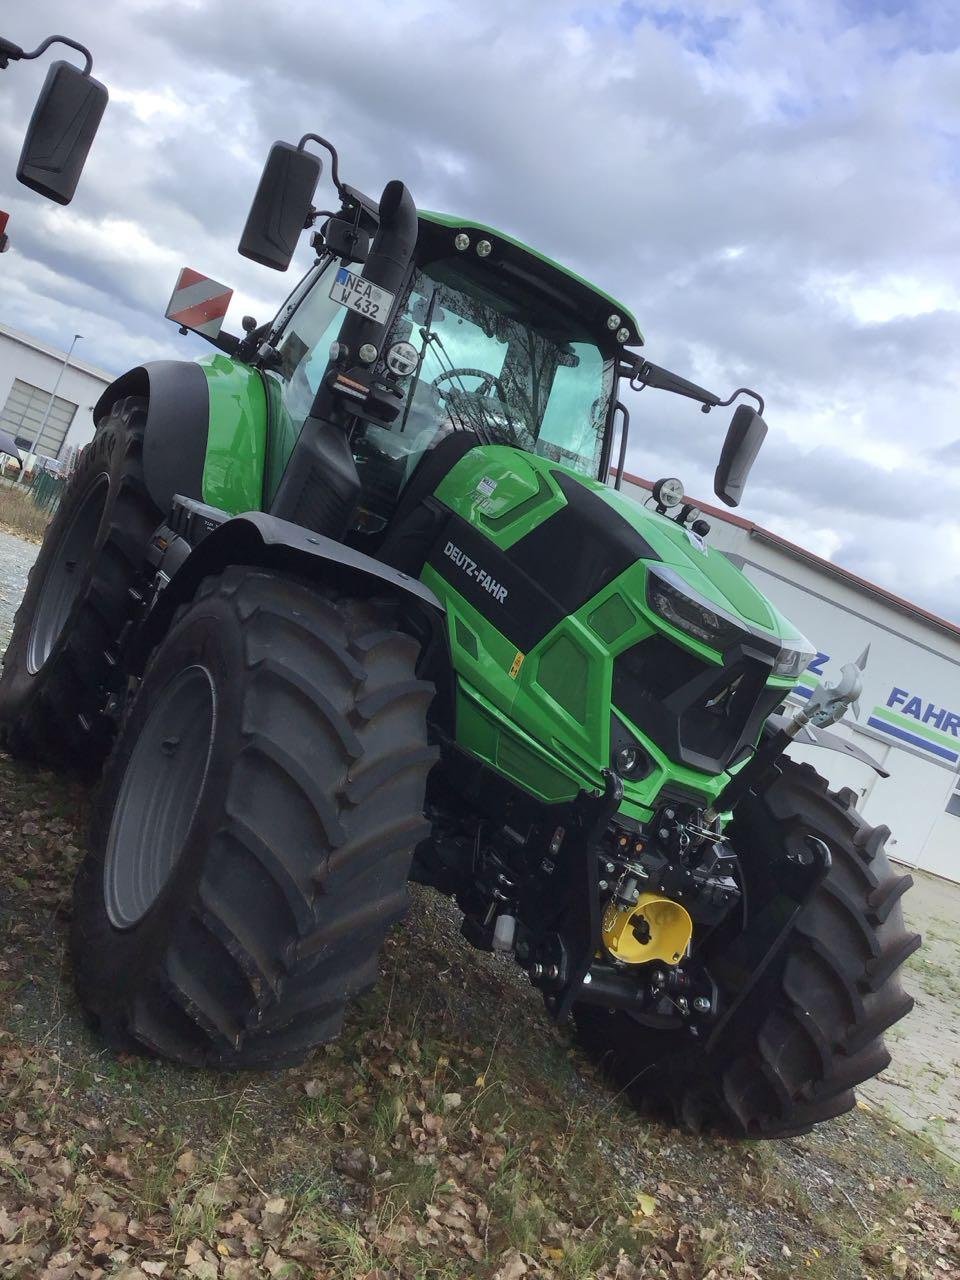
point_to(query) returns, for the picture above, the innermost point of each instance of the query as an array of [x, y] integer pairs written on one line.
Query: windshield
[[507, 366]]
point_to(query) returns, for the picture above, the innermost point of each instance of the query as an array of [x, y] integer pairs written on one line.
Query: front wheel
[[813, 1028], [61, 665], [254, 828]]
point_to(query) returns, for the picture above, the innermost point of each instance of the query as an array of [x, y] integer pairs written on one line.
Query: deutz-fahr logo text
[[473, 570]]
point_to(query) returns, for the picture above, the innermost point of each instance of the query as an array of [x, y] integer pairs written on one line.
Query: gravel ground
[[16, 557], [921, 1087]]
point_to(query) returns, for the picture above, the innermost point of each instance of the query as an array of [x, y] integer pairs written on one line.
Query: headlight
[[793, 658], [628, 757], [694, 615], [681, 606], [629, 761]]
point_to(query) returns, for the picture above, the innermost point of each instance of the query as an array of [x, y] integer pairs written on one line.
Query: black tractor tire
[[813, 1027], [252, 836], [61, 665]]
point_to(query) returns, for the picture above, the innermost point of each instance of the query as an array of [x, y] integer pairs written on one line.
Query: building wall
[[910, 711], [39, 366]]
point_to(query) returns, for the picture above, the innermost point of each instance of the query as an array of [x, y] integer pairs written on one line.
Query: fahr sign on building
[[910, 710]]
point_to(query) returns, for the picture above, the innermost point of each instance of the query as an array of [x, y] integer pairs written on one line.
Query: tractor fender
[[175, 435], [265, 541]]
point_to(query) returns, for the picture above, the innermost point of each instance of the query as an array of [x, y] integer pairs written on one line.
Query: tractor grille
[[703, 715]]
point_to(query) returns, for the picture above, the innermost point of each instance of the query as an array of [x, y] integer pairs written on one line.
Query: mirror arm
[[740, 391], [334, 159], [651, 375], [226, 342], [10, 52], [644, 374]]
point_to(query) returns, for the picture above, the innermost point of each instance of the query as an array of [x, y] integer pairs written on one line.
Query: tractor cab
[[414, 329], [484, 337]]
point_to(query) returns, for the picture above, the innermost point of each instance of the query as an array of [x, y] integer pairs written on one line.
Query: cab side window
[[308, 324]]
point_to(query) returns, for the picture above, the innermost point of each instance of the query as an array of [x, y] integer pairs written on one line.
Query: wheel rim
[[159, 796], [64, 576]]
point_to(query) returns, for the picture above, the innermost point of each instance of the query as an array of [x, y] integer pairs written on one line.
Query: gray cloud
[[772, 190]]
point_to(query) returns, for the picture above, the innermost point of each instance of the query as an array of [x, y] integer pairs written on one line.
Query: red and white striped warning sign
[[198, 303]]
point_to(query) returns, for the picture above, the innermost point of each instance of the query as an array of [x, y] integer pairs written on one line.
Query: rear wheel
[[60, 666], [253, 833], [813, 1028]]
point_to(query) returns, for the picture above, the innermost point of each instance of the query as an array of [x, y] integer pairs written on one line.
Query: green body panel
[[448, 220], [543, 718], [281, 437], [236, 435]]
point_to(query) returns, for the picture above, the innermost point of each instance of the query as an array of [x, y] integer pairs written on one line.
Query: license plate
[[360, 295]]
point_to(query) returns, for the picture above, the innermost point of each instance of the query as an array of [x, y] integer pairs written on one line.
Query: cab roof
[[585, 294]]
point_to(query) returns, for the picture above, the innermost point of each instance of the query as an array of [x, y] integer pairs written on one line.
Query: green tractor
[[353, 602]]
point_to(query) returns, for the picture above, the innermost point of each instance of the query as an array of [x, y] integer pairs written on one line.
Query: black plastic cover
[[745, 435], [61, 132], [699, 713], [280, 208]]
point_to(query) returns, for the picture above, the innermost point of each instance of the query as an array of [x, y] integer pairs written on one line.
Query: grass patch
[[937, 980], [19, 514]]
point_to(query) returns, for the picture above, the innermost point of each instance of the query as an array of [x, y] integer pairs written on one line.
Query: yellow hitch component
[[655, 929]]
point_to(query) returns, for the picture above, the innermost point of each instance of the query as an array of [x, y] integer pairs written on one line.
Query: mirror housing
[[345, 241], [61, 131], [745, 435], [281, 207]]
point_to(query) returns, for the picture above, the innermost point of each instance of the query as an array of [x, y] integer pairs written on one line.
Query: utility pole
[[53, 395]]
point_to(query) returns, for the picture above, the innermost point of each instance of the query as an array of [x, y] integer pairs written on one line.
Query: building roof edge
[[28, 340], [801, 553]]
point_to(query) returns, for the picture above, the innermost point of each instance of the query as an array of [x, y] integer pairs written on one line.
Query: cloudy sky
[[771, 186]]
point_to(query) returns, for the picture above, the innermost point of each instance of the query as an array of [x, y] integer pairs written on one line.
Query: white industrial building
[[910, 711], [29, 372]]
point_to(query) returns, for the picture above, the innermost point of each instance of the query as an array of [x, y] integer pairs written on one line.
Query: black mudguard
[[175, 438], [263, 540]]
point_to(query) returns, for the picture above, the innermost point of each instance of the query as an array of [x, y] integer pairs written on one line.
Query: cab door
[[303, 332]]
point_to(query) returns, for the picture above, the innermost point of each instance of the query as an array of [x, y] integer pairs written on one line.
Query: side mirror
[[343, 240], [61, 131], [281, 207], [745, 435]]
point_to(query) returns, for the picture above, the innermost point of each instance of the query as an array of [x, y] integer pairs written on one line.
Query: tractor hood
[[565, 538], [707, 571], [579, 619]]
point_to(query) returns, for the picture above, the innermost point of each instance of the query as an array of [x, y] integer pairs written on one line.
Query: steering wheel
[[489, 382]]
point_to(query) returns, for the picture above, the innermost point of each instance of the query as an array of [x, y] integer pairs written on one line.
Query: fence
[[46, 490]]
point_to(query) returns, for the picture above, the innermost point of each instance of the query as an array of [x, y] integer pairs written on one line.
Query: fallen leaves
[[646, 1204], [392, 1155]]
